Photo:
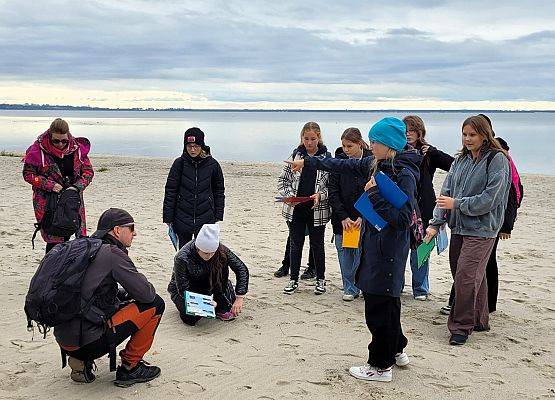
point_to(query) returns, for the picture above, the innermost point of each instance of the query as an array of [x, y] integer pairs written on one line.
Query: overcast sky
[[279, 54]]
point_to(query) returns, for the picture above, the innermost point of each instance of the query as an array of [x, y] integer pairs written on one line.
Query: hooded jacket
[[344, 191], [384, 253], [480, 194], [42, 172], [194, 193]]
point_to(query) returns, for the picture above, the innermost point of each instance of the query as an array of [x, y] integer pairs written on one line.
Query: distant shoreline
[[49, 107]]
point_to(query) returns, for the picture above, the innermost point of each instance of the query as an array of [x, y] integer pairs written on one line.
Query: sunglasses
[[130, 226], [58, 141]]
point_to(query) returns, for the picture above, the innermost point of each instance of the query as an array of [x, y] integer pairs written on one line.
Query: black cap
[[109, 219], [194, 135]]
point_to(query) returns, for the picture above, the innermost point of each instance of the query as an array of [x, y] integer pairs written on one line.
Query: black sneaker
[[291, 287], [320, 287], [81, 371], [142, 372], [309, 273], [281, 272], [457, 339]]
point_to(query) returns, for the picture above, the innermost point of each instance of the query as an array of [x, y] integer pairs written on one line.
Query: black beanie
[[194, 135]]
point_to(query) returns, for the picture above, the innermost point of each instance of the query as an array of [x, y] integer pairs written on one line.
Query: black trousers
[[287, 256], [224, 299], [492, 277], [383, 318], [297, 227], [184, 238]]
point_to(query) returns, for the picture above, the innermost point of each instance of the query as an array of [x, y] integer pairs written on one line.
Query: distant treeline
[[28, 106]]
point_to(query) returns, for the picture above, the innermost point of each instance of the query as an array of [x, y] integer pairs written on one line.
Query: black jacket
[[384, 253], [190, 272], [343, 192], [511, 209], [194, 194], [433, 159]]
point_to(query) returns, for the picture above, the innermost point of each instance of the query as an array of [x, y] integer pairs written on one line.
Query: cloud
[[286, 51]]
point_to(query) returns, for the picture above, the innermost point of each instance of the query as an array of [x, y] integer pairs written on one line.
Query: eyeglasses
[[193, 146], [58, 141], [130, 226]]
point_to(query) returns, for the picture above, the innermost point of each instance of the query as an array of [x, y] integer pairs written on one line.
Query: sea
[[268, 136]]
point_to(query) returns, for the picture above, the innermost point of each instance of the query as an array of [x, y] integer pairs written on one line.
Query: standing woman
[[195, 193], [55, 162], [381, 271], [472, 201], [313, 215], [432, 159], [344, 191]]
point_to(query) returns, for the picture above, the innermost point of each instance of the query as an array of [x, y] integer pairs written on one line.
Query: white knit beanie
[[208, 238]]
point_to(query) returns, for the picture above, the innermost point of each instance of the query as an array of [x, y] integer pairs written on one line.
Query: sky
[[394, 54]]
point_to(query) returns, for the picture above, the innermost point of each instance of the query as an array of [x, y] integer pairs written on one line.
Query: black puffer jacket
[[433, 159], [344, 191], [194, 194], [190, 272]]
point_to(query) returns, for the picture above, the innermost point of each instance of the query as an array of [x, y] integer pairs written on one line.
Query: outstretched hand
[[296, 165]]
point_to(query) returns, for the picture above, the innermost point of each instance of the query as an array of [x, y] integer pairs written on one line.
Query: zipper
[[196, 192]]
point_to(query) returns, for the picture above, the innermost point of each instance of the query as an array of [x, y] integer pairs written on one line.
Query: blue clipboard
[[390, 191], [365, 208]]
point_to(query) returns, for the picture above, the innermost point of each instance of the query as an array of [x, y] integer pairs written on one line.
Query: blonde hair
[[483, 128], [374, 165], [312, 127], [414, 122], [354, 135]]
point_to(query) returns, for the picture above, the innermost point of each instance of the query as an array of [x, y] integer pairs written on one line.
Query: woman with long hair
[[432, 160], [202, 266], [55, 162], [472, 202]]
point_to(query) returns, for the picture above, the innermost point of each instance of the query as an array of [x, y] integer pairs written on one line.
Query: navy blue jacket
[[343, 191], [194, 194], [384, 253]]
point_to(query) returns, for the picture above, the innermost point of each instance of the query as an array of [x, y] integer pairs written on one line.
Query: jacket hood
[[34, 156], [409, 159], [339, 153]]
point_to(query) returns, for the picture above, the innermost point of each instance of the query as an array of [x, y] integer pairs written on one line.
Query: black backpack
[[54, 295], [61, 217]]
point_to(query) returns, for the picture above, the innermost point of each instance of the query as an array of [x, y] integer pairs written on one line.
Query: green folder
[[424, 250]]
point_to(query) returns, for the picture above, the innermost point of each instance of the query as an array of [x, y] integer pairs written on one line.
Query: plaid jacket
[[288, 183]]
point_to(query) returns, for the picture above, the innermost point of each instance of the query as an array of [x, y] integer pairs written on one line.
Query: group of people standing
[[478, 199]]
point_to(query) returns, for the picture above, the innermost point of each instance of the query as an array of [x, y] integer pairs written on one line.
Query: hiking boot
[[370, 373], [291, 287], [142, 372], [225, 316], [445, 310], [81, 371], [401, 359], [457, 339], [281, 272], [308, 273], [320, 286]]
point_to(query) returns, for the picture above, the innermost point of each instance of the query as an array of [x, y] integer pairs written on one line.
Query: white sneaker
[[370, 373], [421, 297], [348, 297], [291, 287], [402, 359]]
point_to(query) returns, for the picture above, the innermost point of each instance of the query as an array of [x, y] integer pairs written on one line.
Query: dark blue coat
[[384, 253]]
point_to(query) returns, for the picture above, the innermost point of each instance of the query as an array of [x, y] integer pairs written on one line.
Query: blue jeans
[[420, 282], [349, 260]]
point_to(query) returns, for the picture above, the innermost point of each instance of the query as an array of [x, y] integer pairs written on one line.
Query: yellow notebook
[[351, 238]]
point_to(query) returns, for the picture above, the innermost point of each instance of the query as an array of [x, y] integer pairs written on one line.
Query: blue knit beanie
[[389, 131]]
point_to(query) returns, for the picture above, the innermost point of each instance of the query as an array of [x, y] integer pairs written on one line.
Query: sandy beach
[[283, 347]]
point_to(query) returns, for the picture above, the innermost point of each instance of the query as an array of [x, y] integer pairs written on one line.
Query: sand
[[283, 347]]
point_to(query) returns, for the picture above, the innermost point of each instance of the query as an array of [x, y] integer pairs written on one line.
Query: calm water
[[266, 136]]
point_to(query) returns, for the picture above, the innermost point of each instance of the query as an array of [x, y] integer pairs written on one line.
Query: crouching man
[[133, 312]]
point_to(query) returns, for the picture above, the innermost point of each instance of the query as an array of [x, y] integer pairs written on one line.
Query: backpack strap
[[491, 154], [37, 229]]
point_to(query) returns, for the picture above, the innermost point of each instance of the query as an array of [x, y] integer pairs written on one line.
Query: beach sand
[[283, 347]]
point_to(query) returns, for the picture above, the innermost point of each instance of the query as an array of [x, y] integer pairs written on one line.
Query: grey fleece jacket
[[480, 196]]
